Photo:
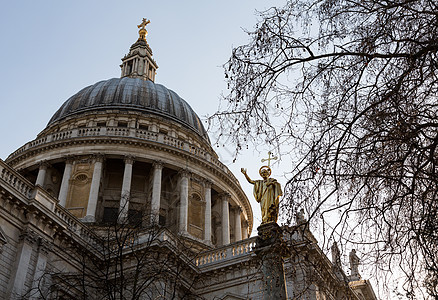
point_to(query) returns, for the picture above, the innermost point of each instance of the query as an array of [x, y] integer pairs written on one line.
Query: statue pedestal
[[270, 250]]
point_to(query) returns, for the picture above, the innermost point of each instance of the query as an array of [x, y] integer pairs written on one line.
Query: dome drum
[[147, 145], [81, 172]]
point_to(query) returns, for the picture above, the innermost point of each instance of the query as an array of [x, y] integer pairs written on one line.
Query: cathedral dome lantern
[[138, 63]]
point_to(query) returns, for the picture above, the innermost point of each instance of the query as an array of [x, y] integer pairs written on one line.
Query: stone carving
[[29, 236], [267, 192]]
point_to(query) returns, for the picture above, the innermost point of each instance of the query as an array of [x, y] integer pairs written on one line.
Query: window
[[143, 127], [110, 215]]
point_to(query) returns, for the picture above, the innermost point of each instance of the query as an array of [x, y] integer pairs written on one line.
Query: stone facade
[[124, 178]]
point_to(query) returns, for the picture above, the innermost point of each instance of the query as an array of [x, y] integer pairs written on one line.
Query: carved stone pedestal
[[270, 250]]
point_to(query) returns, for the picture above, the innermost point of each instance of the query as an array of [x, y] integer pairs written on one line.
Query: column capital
[[207, 183], [45, 246], [184, 173], [238, 209], [44, 164], [225, 196], [157, 164], [129, 159], [99, 157], [69, 159], [28, 236]]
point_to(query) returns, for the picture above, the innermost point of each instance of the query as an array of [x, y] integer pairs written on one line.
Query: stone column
[[207, 216], [245, 229], [145, 68], [237, 224], [21, 265], [42, 173], [126, 189], [94, 190], [270, 249], [37, 285], [225, 219], [63, 192], [156, 192], [183, 201]]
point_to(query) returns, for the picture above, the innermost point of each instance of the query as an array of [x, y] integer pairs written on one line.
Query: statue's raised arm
[[243, 170]]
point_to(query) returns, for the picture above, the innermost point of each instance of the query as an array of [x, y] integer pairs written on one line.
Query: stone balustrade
[[15, 180], [126, 132], [26, 191], [228, 252]]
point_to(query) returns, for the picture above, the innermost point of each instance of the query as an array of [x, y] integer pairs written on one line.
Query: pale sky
[[53, 49]]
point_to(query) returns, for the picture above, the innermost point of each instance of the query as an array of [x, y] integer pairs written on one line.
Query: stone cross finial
[[269, 158]]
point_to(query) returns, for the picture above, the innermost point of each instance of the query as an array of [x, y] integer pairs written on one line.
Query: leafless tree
[[349, 89]]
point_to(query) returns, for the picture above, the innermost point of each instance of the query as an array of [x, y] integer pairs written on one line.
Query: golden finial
[[143, 32]]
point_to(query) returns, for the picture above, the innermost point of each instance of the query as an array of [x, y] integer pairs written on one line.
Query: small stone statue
[[300, 217], [354, 265], [267, 192], [336, 255]]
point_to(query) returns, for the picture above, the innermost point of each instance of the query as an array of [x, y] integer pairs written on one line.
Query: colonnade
[[184, 176]]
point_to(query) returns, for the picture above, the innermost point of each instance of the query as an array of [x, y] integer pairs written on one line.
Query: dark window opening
[[162, 220], [135, 217], [143, 127], [110, 214]]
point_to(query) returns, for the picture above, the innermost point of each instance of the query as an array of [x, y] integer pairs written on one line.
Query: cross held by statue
[[269, 158]]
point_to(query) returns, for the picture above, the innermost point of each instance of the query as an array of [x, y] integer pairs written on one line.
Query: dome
[[131, 94], [128, 149]]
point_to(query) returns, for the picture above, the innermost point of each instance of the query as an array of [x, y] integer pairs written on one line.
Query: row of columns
[[156, 196], [135, 67]]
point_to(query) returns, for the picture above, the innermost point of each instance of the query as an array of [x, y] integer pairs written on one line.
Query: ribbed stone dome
[[131, 94]]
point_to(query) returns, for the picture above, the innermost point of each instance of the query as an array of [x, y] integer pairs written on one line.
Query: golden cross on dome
[[143, 23], [269, 158]]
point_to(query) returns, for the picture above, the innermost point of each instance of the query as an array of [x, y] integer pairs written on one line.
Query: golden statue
[[267, 192]]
